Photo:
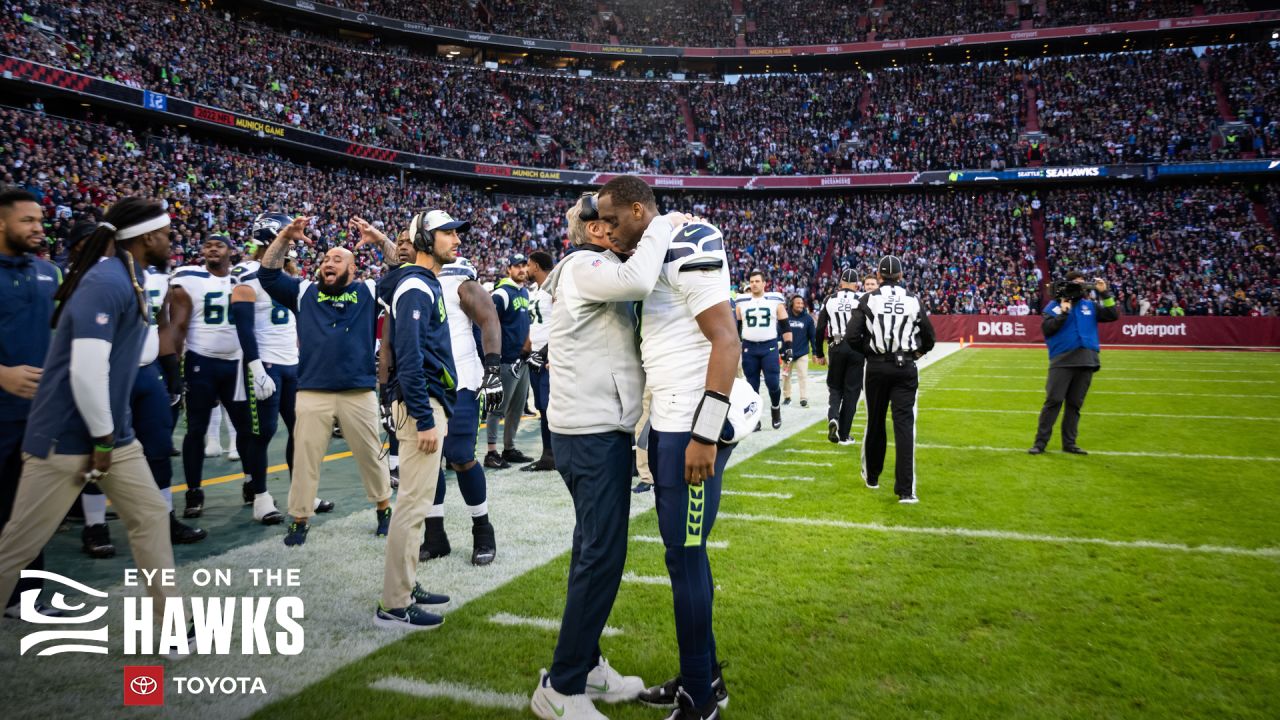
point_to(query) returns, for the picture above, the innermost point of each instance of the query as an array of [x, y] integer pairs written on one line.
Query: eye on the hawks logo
[[143, 685], [87, 641]]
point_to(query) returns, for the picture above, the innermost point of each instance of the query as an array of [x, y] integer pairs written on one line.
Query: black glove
[[172, 371], [788, 354], [491, 385], [538, 360]]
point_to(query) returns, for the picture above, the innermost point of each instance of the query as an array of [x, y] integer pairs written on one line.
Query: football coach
[[1070, 326]]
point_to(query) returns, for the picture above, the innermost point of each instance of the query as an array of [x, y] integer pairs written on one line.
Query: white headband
[[142, 228]]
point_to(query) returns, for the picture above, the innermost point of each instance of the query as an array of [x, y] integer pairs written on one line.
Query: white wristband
[[708, 419]]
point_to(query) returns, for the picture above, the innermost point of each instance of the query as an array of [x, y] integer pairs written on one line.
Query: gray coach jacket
[[597, 381]]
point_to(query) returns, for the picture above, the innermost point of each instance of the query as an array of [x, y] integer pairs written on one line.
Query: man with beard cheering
[[337, 320]]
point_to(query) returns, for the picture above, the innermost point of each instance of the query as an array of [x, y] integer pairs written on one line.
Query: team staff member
[[540, 264], [337, 319], [512, 301], [894, 330], [763, 317], [844, 379], [27, 286], [802, 337], [80, 427], [595, 401], [424, 388], [1071, 332]]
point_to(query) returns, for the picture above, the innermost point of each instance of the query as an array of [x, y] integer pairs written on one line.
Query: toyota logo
[[143, 685]]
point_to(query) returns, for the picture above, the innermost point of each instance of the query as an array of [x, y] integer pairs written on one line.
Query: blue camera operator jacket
[[1072, 337]]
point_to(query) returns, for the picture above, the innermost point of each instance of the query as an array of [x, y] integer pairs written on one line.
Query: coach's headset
[[590, 209]]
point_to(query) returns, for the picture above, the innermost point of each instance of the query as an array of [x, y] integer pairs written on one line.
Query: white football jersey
[[760, 316], [274, 326], [157, 287], [695, 277], [211, 332], [539, 317], [466, 359]]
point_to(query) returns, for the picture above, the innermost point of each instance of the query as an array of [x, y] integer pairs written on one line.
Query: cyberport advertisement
[[192, 642]]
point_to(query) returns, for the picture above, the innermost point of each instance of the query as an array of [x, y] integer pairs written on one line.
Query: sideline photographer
[[1070, 325]]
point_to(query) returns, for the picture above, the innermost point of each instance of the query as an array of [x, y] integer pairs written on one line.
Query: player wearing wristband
[[479, 388]]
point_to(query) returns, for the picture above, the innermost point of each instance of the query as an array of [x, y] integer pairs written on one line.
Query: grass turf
[[854, 622]]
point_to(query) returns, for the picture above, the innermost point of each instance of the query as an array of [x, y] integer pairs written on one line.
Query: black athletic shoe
[[786, 401], [777, 417], [540, 465], [513, 455], [833, 431], [1035, 450], [246, 493], [435, 541], [1075, 450], [874, 484], [337, 430], [494, 461], [194, 504], [484, 547], [804, 403], [297, 534], [96, 541], [664, 695], [180, 534], [384, 522], [686, 710], [642, 487], [324, 506]]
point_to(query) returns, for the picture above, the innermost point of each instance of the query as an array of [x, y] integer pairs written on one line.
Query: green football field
[[1140, 581]]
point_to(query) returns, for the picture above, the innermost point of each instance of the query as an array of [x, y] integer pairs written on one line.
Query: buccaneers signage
[[1241, 332]]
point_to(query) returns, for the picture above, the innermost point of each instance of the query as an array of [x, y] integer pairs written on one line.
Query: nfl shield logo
[[417, 314], [102, 319]]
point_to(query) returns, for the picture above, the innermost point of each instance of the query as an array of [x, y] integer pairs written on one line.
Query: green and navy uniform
[[512, 303]]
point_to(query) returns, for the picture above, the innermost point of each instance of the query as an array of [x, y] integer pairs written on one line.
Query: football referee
[[894, 331], [844, 379]]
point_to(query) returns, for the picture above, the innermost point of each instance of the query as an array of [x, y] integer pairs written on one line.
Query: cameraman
[[1070, 327]]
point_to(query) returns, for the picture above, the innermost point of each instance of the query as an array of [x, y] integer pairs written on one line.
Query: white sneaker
[[605, 683], [212, 448], [264, 510], [548, 704], [233, 454], [848, 441]]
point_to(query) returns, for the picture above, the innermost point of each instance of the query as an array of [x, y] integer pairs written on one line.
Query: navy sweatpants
[[758, 357], [264, 415], [686, 515], [597, 470]]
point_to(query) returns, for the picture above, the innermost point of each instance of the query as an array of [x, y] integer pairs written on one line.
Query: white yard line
[[630, 577], [1173, 416], [453, 691], [795, 462], [1108, 376], [713, 544], [1116, 453], [1153, 393], [552, 624], [747, 493], [1005, 535], [782, 478]]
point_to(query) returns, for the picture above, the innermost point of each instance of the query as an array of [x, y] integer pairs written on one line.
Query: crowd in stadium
[[768, 22], [1133, 106], [971, 253]]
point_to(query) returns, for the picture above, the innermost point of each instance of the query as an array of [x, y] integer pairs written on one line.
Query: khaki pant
[[642, 456], [357, 413], [47, 490], [799, 368], [419, 473]]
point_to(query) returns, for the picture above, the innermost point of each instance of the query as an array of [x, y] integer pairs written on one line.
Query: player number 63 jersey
[[695, 277], [760, 316]]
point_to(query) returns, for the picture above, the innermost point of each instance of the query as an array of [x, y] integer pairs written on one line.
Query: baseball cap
[[849, 275], [441, 220], [517, 259], [79, 233], [890, 265]]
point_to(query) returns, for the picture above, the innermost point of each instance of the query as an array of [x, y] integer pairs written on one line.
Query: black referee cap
[[849, 275], [890, 265]]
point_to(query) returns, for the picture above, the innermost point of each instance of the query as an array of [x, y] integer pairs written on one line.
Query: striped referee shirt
[[890, 320], [833, 321]]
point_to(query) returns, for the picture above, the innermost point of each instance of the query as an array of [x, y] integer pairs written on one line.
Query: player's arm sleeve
[[242, 314], [408, 346], [95, 311], [632, 280], [1108, 309], [1051, 322], [282, 287], [820, 335]]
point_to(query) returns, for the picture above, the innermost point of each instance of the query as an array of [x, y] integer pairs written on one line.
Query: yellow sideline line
[[285, 466]]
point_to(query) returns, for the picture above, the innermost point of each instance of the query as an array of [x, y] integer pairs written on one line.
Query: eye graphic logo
[[66, 639], [143, 685]]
